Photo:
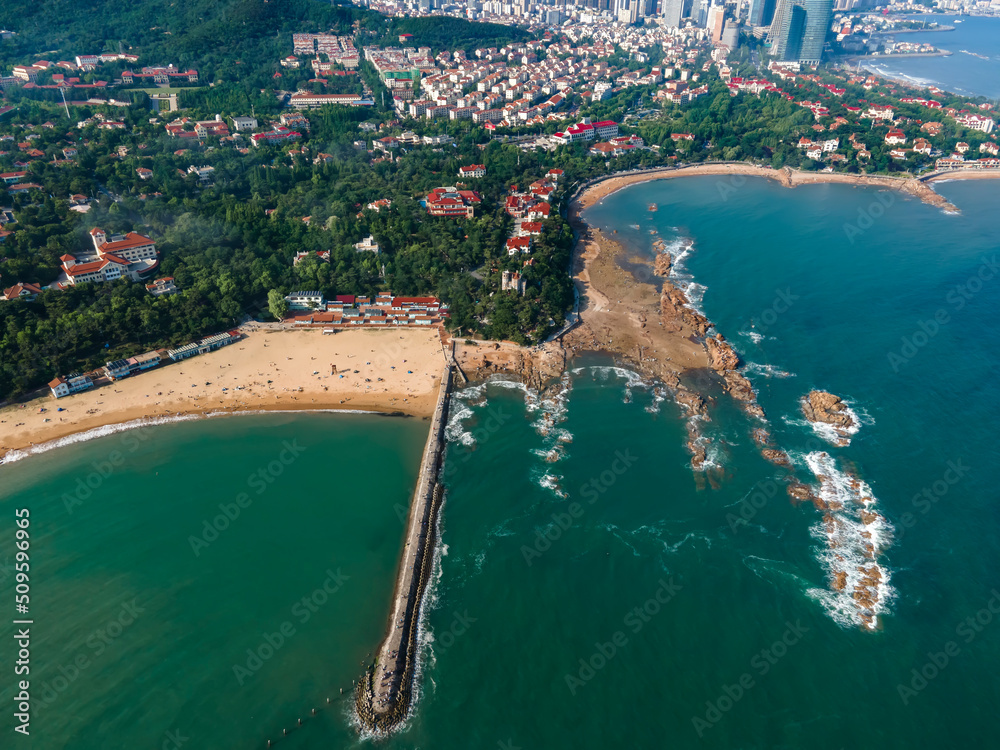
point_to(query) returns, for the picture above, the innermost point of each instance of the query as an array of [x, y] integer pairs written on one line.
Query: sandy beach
[[392, 370]]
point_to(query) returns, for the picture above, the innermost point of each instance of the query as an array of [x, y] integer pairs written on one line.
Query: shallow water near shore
[[593, 592]]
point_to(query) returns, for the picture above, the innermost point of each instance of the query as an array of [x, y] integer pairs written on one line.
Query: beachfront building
[[64, 386], [122, 368], [207, 344], [305, 301], [384, 311]]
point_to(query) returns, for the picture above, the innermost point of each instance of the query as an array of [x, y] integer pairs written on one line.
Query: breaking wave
[[854, 534]]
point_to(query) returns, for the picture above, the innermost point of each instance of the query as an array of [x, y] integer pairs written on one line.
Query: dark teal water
[[592, 593], [960, 73], [136, 637]]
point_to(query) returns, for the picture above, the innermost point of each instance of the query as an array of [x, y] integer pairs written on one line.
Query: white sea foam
[[659, 396], [695, 294], [454, 430], [98, 432], [753, 336], [766, 371], [854, 534], [838, 435], [552, 482]]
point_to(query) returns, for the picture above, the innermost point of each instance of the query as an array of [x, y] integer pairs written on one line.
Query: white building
[[368, 244], [305, 301]]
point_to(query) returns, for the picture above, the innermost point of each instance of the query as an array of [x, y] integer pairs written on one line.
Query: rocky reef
[[821, 407]]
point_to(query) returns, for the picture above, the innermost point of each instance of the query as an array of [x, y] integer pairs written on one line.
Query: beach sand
[[398, 370]]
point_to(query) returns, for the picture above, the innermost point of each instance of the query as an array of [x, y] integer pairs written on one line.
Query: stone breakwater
[[385, 692]]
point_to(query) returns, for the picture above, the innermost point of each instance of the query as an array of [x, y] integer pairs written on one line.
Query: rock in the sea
[[721, 355], [820, 406], [776, 457], [662, 264]]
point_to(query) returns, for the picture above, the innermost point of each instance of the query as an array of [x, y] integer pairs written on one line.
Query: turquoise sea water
[[592, 592], [961, 73]]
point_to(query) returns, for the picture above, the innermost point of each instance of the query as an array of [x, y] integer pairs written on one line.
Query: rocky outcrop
[[675, 314], [533, 366], [721, 355], [821, 407], [663, 263]]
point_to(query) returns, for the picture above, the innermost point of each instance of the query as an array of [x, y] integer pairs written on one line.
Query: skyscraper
[[799, 30], [673, 10], [716, 18], [761, 12]]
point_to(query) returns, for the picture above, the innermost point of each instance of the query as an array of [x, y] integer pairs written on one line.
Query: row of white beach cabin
[[123, 368]]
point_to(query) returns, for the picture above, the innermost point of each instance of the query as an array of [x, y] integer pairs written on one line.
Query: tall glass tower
[[799, 30]]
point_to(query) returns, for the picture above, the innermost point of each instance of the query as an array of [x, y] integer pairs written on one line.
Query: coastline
[[787, 177], [295, 373]]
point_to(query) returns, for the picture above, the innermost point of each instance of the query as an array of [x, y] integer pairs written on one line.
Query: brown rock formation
[[663, 263], [721, 355], [820, 406], [676, 315]]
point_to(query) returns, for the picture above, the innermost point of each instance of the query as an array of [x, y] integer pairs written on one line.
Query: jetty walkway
[[384, 692]]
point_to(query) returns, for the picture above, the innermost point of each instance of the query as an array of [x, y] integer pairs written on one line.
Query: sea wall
[[385, 691]]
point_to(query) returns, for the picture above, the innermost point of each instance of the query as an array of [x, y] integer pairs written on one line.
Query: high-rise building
[[799, 30], [761, 12], [702, 11], [673, 10], [716, 19]]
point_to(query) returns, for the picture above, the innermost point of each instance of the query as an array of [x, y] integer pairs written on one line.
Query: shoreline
[[392, 371], [790, 178]]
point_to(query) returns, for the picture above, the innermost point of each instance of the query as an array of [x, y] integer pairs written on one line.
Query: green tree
[[277, 304]]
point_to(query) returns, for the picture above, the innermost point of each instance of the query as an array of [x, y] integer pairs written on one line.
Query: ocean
[[975, 74], [591, 590]]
